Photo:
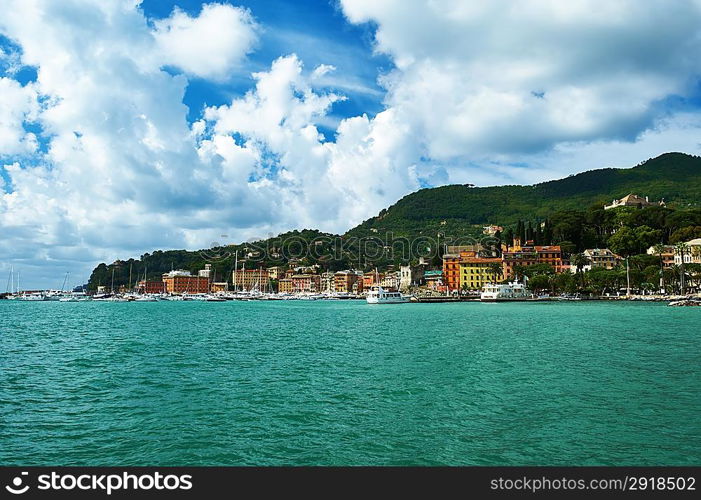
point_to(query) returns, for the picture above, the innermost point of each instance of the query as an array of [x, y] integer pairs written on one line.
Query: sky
[[128, 126]]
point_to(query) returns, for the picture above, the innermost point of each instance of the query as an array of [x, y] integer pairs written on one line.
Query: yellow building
[[475, 272]]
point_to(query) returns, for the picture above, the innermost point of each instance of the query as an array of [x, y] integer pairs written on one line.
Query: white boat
[[145, 298], [378, 295], [32, 297], [498, 292]]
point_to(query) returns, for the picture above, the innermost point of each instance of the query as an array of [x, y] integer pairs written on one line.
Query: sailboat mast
[[112, 286], [236, 265]]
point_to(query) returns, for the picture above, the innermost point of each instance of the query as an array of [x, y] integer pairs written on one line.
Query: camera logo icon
[[16, 487]]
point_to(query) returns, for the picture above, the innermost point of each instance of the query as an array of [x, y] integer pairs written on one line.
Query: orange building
[[346, 281], [285, 285], [529, 255], [150, 286], [372, 279], [306, 282], [222, 286], [451, 270], [249, 279], [184, 282]]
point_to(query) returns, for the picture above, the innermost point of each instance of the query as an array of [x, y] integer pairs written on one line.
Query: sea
[[347, 383]]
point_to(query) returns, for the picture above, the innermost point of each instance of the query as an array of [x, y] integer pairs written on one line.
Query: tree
[[629, 241], [685, 234], [659, 250], [681, 250], [539, 282], [579, 260]]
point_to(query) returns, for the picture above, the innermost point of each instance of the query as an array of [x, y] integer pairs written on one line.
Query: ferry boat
[[378, 295], [498, 292]]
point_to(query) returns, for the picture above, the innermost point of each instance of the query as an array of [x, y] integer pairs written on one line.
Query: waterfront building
[[327, 282], [150, 286], [250, 279], [390, 281], [692, 254], [371, 279], [409, 276], [633, 200], [285, 285], [434, 280], [475, 272], [529, 255], [451, 270], [346, 281], [600, 258], [306, 283], [275, 272], [180, 281], [220, 286]]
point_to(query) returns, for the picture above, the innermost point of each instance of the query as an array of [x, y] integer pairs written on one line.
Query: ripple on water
[[334, 383]]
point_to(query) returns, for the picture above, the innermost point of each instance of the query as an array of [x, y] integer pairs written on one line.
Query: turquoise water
[[346, 383]]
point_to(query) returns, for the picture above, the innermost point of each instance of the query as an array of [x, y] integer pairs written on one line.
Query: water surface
[[346, 383]]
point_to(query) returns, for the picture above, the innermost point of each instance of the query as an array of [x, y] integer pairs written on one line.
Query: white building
[[206, 272], [692, 254], [391, 281], [633, 200], [409, 276]]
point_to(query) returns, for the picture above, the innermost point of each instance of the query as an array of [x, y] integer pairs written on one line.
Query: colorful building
[[451, 270], [219, 286], [306, 283], [183, 282], [276, 272], [346, 281], [285, 285], [390, 281], [530, 255], [250, 279], [475, 272], [150, 286]]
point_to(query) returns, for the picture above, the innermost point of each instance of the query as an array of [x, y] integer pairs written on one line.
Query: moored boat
[[503, 292], [378, 295]]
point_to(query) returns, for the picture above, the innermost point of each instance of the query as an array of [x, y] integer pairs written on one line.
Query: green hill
[[460, 211], [674, 177]]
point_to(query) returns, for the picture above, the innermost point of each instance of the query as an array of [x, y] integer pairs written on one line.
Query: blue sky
[[132, 126], [315, 30]]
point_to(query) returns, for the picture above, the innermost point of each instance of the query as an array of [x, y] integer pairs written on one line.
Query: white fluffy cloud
[[488, 93], [17, 105], [478, 79], [210, 45]]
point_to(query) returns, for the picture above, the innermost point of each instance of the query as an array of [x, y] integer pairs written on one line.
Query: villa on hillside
[[633, 200], [599, 258]]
